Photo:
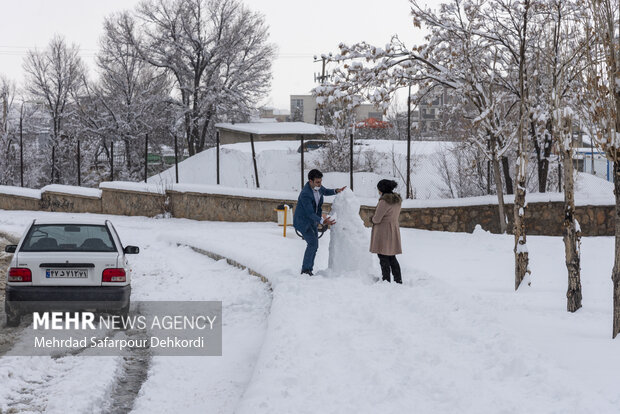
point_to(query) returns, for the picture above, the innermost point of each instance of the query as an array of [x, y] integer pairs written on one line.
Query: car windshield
[[68, 237]]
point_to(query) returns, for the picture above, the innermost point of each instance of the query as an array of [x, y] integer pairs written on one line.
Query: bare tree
[[8, 142], [215, 50], [459, 55], [52, 76], [563, 57], [603, 100], [129, 100], [519, 13]]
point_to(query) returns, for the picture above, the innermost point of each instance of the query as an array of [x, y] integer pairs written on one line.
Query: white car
[[80, 264]]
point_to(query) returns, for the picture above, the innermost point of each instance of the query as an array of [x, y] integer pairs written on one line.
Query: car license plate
[[66, 273]]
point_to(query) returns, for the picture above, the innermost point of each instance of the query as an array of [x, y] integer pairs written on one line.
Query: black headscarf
[[386, 186]]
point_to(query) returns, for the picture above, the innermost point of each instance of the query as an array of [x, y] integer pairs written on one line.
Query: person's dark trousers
[[390, 263], [311, 236]]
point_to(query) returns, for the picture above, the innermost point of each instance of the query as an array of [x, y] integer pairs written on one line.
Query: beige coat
[[385, 237]]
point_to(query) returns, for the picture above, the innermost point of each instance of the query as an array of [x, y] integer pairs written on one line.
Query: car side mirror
[[10, 248], [131, 250]]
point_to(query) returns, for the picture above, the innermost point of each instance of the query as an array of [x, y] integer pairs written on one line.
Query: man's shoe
[[308, 272]]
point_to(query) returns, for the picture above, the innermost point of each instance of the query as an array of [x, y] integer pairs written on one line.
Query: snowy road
[[454, 337], [162, 271]]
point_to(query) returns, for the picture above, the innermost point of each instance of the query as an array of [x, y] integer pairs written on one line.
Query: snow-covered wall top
[[274, 128], [131, 186], [70, 189], [448, 202], [234, 191], [581, 199], [509, 199], [20, 191]]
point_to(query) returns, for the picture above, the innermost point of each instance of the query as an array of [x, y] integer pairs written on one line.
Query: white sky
[[299, 29]]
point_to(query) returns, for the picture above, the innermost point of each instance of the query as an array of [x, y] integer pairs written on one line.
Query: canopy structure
[[267, 131]]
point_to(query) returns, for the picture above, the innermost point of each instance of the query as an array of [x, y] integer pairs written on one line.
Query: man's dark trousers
[[311, 236]]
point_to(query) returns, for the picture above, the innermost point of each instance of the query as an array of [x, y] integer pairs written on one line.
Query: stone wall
[[132, 203], [16, 202], [71, 203], [542, 218], [217, 207]]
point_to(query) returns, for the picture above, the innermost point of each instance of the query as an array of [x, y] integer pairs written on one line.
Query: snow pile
[[349, 241], [593, 190], [479, 231], [278, 164]]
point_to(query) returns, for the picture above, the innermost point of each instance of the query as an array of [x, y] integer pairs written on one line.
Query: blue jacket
[[307, 212]]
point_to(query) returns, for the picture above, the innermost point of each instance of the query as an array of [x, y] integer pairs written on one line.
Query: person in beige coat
[[385, 236]]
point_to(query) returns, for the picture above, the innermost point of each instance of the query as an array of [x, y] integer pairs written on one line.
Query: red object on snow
[[373, 123]]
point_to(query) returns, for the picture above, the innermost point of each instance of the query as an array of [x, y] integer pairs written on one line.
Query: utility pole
[[320, 79]]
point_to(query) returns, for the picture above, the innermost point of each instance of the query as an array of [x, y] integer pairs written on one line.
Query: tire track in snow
[[232, 386], [130, 373], [133, 373], [9, 335]]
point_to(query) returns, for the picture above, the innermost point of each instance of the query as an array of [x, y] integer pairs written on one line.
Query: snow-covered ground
[[162, 271], [278, 164], [455, 337]]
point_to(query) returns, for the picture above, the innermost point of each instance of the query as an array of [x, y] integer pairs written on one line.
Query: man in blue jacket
[[309, 214]]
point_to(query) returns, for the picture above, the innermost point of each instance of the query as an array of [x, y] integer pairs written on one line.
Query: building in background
[[304, 109], [427, 115]]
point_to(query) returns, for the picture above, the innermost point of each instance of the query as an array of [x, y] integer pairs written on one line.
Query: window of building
[[297, 109]]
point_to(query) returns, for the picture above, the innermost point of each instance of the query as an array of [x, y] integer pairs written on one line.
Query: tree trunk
[[498, 186], [507, 177], [616, 270], [572, 236], [542, 154], [127, 156], [520, 249]]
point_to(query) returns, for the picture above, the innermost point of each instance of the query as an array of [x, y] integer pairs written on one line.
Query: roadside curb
[[231, 262]]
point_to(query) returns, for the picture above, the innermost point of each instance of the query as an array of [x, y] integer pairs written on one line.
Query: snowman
[[349, 239]]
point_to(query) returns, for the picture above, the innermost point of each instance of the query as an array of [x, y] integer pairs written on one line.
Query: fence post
[[112, 161], [53, 162], [302, 161], [217, 156], [79, 164], [21, 153], [176, 160], [254, 160], [351, 162], [409, 192], [146, 156]]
